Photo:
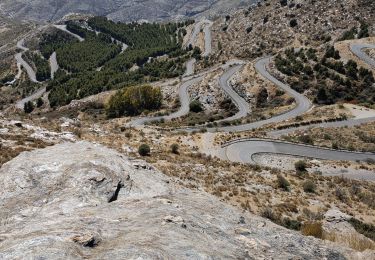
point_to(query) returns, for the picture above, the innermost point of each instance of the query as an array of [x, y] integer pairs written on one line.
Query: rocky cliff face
[[81, 200], [123, 10]]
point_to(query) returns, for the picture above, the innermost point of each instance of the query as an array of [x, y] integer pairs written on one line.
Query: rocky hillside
[[122, 10], [81, 200], [271, 25]]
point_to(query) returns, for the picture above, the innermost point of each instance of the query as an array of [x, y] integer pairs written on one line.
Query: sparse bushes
[[363, 33], [309, 186], [144, 150], [283, 183], [329, 79], [332, 53], [197, 53]]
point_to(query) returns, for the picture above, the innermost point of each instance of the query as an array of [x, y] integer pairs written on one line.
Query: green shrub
[[283, 183], [196, 106], [291, 224], [300, 166], [309, 186], [144, 150]]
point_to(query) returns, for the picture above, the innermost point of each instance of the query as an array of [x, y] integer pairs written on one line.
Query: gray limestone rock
[[85, 201]]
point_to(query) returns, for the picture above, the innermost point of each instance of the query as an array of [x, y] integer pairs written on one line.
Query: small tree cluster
[[134, 100], [28, 107]]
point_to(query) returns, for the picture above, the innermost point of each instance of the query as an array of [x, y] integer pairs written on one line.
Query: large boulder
[[82, 200]]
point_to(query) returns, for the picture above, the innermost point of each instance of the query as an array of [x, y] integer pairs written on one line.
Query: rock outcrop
[[85, 201]]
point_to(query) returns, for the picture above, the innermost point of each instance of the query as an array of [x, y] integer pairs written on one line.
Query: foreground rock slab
[[85, 201]]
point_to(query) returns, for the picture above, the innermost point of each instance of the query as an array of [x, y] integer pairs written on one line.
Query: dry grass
[[314, 229], [354, 241]]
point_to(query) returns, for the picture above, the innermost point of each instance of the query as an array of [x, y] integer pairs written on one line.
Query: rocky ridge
[[119, 10]]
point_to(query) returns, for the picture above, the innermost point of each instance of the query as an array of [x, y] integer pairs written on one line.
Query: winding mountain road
[[22, 63], [242, 105], [189, 79], [303, 103], [244, 150]]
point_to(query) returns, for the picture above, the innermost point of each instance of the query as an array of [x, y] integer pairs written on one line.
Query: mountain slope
[[122, 10]]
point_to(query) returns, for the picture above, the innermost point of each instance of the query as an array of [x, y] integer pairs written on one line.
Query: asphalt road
[[207, 38], [243, 151], [190, 64], [241, 104], [357, 49], [20, 104], [53, 64]]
